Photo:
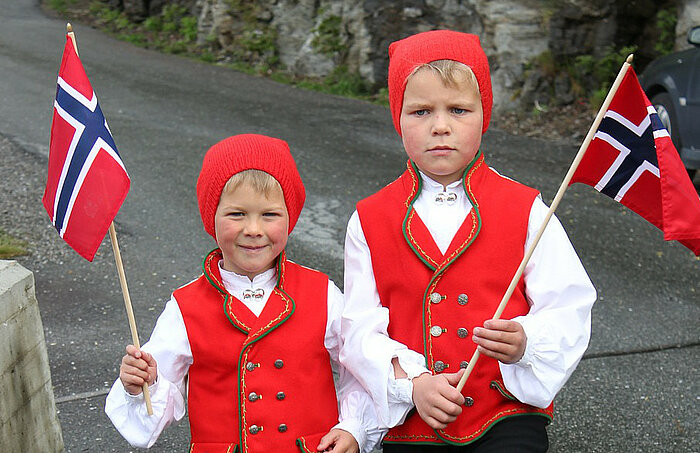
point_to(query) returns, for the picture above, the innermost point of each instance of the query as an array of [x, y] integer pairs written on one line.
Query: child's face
[[440, 125], [251, 229]]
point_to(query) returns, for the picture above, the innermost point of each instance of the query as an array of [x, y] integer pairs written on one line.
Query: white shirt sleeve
[[558, 325], [367, 350], [171, 349], [356, 410]]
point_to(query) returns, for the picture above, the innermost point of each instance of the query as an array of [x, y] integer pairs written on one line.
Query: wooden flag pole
[[555, 203], [129, 309], [122, 274]]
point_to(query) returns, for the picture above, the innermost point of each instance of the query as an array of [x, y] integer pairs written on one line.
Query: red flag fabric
[[632, 160], [87, 181]]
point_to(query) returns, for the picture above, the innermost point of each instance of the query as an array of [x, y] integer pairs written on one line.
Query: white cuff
[[354, 427]]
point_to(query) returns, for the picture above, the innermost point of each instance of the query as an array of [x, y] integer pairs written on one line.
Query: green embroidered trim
[[301, 443], [232, 317], [289, 309], [206, 269], [275, 323], [502, 390], [405, 227], [476, 222], [454, 440]]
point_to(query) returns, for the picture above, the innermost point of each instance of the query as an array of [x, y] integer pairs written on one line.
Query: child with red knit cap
[[437, 249], [249, 345]]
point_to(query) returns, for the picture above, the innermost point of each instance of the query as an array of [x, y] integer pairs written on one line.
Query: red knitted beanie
[[248, 152], [409, 53]]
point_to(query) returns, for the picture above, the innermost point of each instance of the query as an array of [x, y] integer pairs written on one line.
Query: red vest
[[258, 384], [436, 300]]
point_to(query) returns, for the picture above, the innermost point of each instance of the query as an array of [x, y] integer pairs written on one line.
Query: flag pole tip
[[69, 28], [629, 58]]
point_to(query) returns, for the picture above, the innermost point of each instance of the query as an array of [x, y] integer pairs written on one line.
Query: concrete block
[[20, 334], [16, 288], [28, 418]]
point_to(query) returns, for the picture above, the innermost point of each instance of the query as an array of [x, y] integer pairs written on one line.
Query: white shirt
[[170, 347], [558, 325]]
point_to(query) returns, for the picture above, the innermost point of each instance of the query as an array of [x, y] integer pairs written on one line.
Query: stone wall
[[28, 418], [315, 37]]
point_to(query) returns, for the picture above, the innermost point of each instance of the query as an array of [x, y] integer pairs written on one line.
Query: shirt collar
[[432, 186], [235, 282]]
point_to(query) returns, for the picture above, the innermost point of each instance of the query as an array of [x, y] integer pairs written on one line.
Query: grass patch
[[11, 247]]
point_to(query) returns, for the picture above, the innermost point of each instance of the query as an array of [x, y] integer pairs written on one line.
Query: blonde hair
[[452, 73], [258, 180]]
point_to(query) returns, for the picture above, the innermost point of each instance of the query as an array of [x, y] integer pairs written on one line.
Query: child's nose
[[441, 125], [253, 227]]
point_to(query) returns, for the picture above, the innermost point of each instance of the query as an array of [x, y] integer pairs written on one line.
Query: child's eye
[[459, 111], [421, 112], [271, 214], [235, 214]]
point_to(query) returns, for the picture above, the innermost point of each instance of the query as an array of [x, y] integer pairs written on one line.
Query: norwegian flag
[[87, 182], [632, 160]]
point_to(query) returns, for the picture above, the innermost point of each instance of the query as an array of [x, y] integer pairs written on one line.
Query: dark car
[[672, 83]]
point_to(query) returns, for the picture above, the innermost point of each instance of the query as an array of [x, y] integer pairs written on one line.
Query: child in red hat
[[251, 344], [438, 248]]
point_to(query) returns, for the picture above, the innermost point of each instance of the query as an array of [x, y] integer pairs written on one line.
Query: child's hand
[[137, 368], [501, 339], [338, 441], [437, 401]]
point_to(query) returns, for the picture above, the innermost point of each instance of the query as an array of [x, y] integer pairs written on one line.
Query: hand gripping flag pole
[[87, 182], [555, 203]]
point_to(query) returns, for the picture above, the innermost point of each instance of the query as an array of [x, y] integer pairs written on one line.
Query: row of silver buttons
[[436, 298], [436, 331], [255, 429], [253, 397]]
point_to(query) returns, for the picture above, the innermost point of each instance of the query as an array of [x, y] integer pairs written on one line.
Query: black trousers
[[520, 434]]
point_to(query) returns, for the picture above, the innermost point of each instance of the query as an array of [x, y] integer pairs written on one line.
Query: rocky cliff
[[532, 45]]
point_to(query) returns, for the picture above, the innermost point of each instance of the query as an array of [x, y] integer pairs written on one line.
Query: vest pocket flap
[[213, 447], [308, 443], [501, 388]]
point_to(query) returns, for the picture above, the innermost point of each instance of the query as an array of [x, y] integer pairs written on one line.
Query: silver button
[[462, 332], [279, 363], [281, 396], [253, 397], [436, 331], [282, 428], [462, 299], [463, 364], [439, 366], [468, 401], [254, 429], [250, 366], [435, 298]]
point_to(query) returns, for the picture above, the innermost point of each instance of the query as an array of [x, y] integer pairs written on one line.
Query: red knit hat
[[409, 53], [248, 152]]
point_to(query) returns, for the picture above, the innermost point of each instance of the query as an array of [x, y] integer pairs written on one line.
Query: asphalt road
[[635, 390]]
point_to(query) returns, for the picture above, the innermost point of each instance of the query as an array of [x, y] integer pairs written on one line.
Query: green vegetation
[[327, 38], [590, 76], [11, 247], [595, 75], [666, 20], [174, 30]]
